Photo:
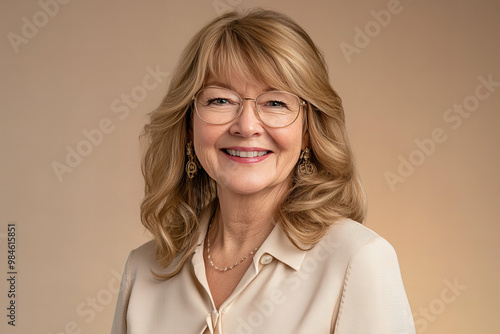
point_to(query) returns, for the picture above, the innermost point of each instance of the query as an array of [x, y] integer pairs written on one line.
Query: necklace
[[230, 267]]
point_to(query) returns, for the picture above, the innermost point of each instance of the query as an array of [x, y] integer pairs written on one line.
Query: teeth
[[246, 154]]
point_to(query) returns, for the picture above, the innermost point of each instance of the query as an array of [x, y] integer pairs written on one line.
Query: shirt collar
[[281, 248], [276, 244]]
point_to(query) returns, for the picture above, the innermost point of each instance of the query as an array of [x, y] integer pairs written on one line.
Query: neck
[[244, 221]]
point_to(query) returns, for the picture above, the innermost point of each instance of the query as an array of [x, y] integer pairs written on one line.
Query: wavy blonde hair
[[270, 47]]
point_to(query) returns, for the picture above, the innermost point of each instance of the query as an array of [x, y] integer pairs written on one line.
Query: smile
[[246, 154]]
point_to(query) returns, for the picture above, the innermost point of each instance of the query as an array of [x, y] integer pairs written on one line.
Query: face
[[245, 156]]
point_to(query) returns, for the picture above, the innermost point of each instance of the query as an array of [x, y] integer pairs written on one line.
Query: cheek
[[290, 144], [201, 136], [291, 139]]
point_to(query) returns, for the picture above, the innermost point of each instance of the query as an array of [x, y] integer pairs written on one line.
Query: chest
[[223, 283], [274, 300]]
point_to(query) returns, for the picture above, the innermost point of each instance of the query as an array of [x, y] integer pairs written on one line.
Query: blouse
[[348, 283]]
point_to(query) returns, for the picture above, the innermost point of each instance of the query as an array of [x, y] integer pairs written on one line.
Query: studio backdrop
[[420, 84]]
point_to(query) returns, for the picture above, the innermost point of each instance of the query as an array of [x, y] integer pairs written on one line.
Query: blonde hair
[[270, 47]]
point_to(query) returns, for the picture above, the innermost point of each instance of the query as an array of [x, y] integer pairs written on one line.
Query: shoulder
[[142, 263], [373, 289], [351, 240], [363, 254], [143, 260], [145, 251], [138, 259]]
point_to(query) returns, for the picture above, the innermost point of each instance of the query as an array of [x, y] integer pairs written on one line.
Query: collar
[[276, 244], [281, 248]]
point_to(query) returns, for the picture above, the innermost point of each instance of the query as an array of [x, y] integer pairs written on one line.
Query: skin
[[248, 189]]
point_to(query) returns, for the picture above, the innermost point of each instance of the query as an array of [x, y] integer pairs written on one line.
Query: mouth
[[245, 154]]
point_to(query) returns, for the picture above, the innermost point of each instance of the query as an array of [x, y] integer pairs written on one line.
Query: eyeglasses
[[276, 109]]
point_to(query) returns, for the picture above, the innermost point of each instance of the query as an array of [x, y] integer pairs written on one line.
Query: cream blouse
[[349, 283]]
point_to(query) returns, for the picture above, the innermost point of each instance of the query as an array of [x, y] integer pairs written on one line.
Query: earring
[[306, 167], [191, 167]]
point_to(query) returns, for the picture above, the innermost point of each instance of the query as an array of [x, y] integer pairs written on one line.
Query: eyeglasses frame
[[302, 103]]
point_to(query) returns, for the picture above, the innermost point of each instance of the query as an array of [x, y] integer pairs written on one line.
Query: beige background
[[71, 75]]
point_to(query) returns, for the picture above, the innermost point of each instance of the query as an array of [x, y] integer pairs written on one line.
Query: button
[[266, 259]]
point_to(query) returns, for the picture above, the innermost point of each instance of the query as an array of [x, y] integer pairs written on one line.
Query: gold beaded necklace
[[252, 252]]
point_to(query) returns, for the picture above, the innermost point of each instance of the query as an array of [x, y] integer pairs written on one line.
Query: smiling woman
[[253, 198], [243, 153]]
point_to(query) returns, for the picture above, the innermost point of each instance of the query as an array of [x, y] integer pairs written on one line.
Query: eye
[[276, 104], [218, 100]]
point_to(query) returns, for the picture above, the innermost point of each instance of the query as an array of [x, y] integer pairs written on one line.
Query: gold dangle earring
[[306, 167], [191, 167]]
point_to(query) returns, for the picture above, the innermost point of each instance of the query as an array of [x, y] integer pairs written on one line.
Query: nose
[[248, 123]]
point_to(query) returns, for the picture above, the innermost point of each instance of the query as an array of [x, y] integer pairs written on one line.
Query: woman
[[253, 199]]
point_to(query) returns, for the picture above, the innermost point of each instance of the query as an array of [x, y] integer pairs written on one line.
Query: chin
[[250, 186], [240, 183], [245, 189]]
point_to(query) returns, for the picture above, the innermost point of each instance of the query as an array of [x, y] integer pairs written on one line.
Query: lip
[[246, 160]]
